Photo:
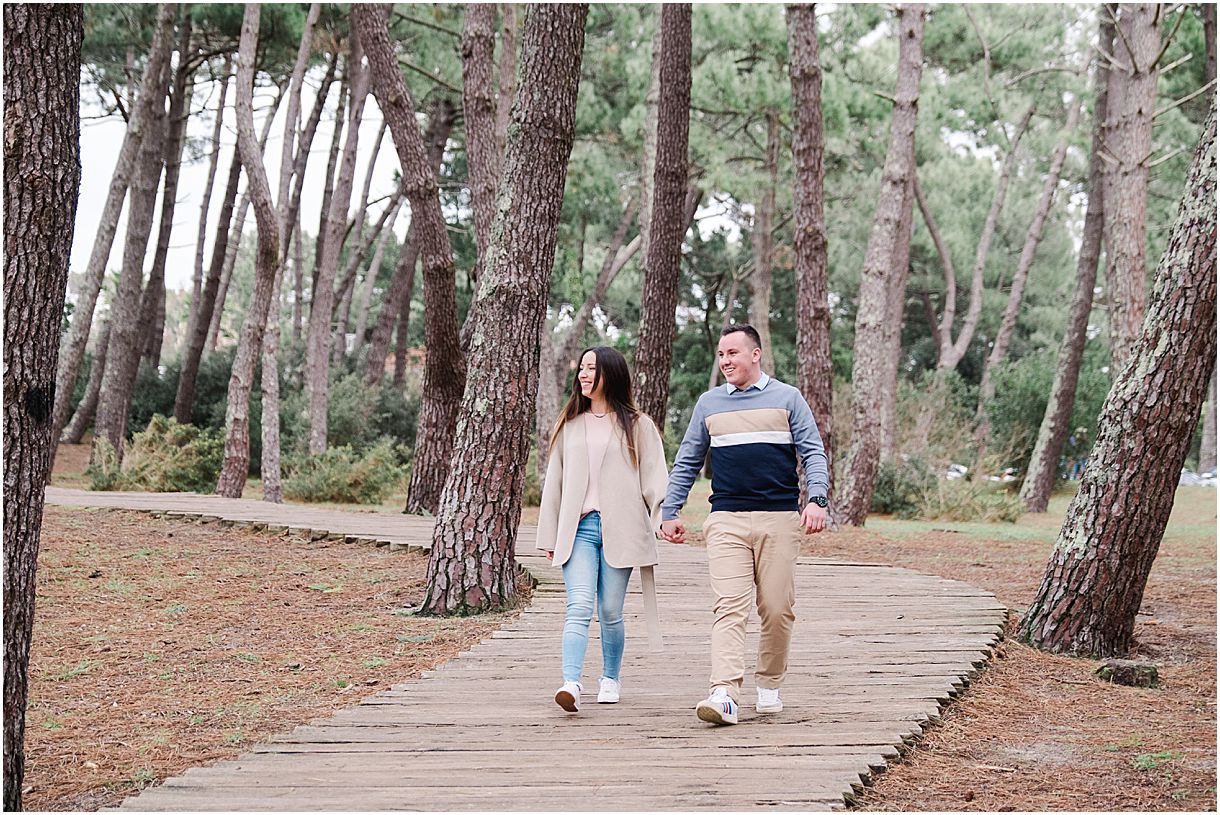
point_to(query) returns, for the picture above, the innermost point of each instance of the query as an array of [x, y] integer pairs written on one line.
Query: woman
[[601, 507]]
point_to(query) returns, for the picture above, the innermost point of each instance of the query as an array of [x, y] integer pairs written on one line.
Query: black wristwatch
[[820, 500]]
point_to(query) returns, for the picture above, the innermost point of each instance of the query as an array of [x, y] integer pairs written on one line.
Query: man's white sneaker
[[568, 696], [719, 708], [768, 701], [608, 691]]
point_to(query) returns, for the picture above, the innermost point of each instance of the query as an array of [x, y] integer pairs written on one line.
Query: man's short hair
[[745, 328]]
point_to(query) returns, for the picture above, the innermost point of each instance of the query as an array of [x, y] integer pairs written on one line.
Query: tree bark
[[483, 160], [763, 243], [445, 367], [507, 80], [152, 308], [896, 301], [317, 349], [397, 299], [298, 284], [123, 358], [1095, 577], [472, 566], [869, 365], [662, 264], [95, 269], [1053, 432], [328, 188], [401, 338], [42, 50], [370, 283], [236, 466], [87, 408], [1207, 448], [1128, 142], [648, 167], [1008, 322], [201, 234], [1209, 41]]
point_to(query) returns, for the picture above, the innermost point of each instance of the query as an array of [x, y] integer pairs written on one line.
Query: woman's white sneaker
[[568, 696], [719, 708], [768, 701], [608, 691]]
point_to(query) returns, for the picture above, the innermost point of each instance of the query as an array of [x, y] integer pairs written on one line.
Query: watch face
[[820, 501]]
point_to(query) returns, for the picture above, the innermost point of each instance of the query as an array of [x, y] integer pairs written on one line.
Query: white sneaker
[[768, 701], [608, 690], [719, 708], [568, 696]]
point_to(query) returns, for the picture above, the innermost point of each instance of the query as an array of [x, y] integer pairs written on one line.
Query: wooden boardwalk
[[877, 652]]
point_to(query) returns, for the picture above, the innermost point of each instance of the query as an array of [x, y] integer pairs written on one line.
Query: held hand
[[814, 519], [550, 555], [673, 531]]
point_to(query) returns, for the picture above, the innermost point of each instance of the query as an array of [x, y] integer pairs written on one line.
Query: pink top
[[597, 439]]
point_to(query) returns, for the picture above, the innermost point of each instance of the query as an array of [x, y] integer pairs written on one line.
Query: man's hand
[[673, 531], [814, 518]]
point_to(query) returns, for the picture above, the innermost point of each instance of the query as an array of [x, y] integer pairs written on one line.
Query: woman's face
[[586, 375]]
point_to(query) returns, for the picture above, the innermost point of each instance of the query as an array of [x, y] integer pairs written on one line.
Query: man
[[756, 428]]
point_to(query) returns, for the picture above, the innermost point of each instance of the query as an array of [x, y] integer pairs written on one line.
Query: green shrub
[[357, 416], [165, 457], [962, 500], [900, 487], [343, 475]]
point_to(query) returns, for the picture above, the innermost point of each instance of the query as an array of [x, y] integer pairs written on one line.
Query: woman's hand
[[550, 555]]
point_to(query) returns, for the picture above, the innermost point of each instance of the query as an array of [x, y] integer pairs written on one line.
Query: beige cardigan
[[630, 498]]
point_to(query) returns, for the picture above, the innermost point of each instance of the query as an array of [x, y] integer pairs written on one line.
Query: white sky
[[101, 140]]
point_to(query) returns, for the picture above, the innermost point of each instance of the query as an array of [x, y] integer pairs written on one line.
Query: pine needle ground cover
[[162, 645]]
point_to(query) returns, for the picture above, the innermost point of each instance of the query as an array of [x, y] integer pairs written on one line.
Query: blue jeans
[[587, 574]]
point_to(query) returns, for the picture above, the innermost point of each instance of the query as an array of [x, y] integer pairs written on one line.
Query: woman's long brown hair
[[612, 371]]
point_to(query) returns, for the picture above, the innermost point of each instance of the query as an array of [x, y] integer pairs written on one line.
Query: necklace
[[599, 415]]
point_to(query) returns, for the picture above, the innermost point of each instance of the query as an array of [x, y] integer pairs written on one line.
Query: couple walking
[[607, 495]]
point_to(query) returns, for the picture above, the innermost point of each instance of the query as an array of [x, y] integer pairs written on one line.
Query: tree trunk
[[1128, 139], [288, 145], [236, 465], [1095, 578], [328, 188], [483, 161], [234, 242], [401, 338], [87, 408], [152, 308], [662, 264], [507, 80], [870, 348], [123, 358], [1209, 41], [360, 240], [317, 349], [951, 350], [445, 368], [648, 168], [42, 50], [763, 243], [357, 255], [95, 270], [201, 234], [896, 301], [1008, 322], [397, 299], [270, 471], [370, 283], [472, 567], [1207, 449], [1053, 432]]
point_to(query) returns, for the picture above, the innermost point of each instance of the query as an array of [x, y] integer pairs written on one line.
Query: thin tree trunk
[[726, 319], [869, 364], [298, 285], [445, 368], [234, 242], [42, 52], [328, 188], [273, 488], [359, 252], [317, 350], [895, 311], [952, 350], [648, 167], [236, 466], [1008, 322], [301, 161], [507, 79], [152, 309], [397, 299], [402, 337], [1095, 577], [662, 264], [813, 367], [95, 269], [763, 243], [201, 234], [356, 229], [1053, 432], [472, 566], [123, 358], [484, 155], [370, 283], [1128, 142], [1209, 41], [87, 409], [1207, 449]]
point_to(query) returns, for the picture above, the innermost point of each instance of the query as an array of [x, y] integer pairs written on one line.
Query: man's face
[[739, 359]]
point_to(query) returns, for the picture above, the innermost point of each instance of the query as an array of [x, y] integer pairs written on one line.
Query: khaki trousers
[[752, 552]]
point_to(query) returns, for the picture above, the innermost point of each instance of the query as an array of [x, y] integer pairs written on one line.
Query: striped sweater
[[755, 436]]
